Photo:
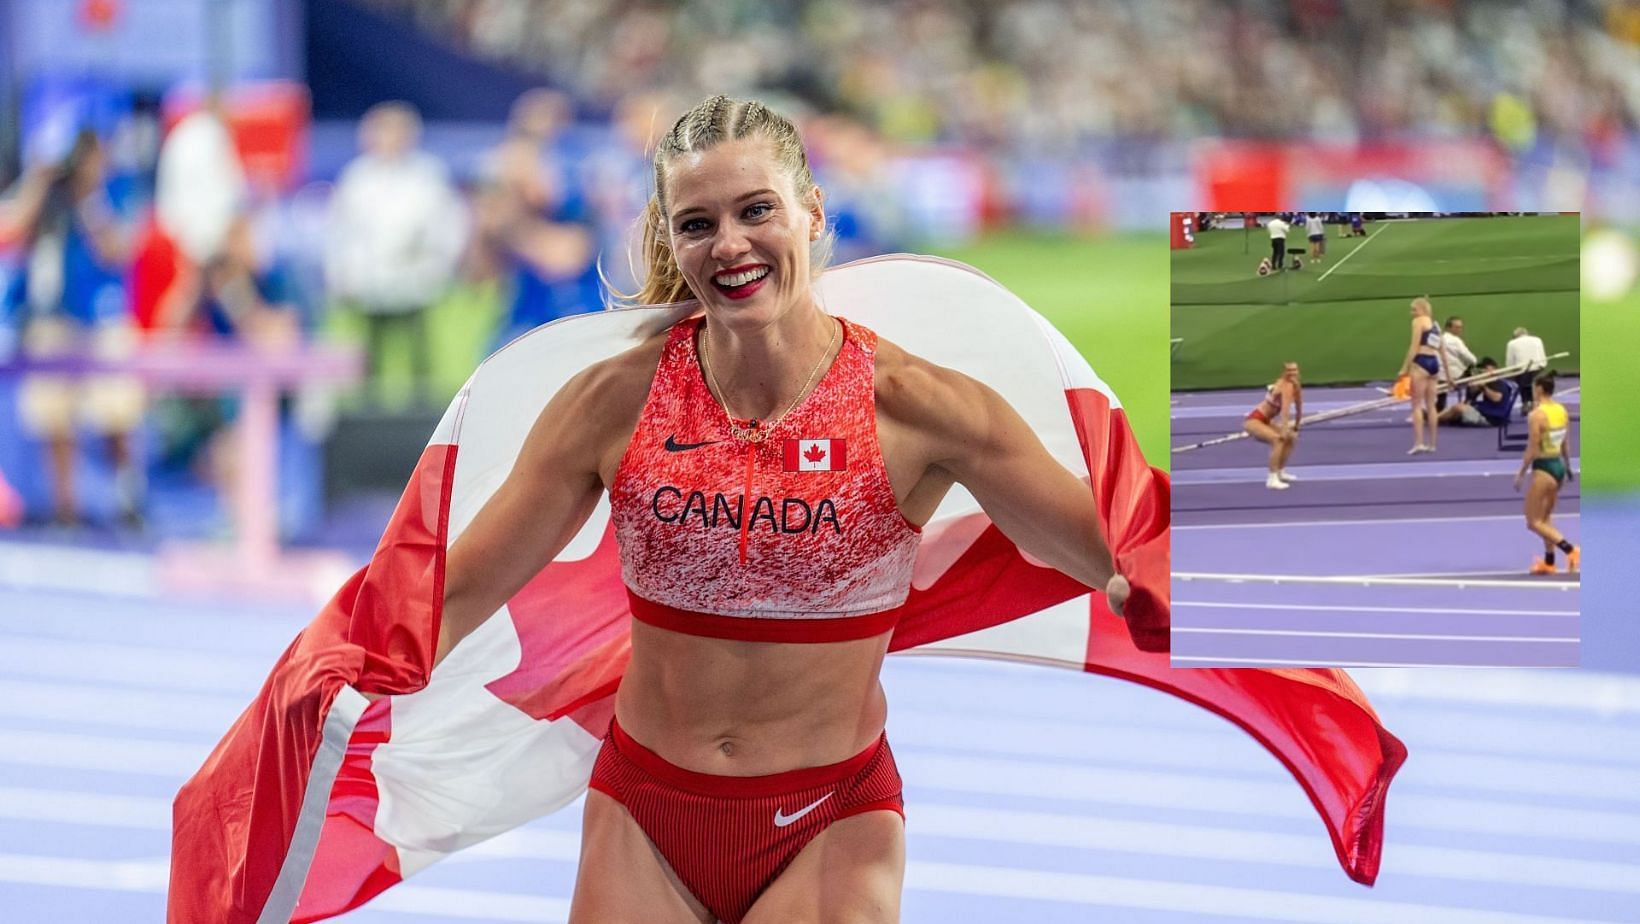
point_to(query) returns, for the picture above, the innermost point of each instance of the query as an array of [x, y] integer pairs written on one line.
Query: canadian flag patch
[[816, 455]]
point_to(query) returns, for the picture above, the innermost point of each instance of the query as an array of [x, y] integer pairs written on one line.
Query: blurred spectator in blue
[[616, 177], [69, 299], [535, 221], [397, 229]]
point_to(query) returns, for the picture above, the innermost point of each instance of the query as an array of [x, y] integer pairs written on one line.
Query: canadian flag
[[319, 797], [816, 455]]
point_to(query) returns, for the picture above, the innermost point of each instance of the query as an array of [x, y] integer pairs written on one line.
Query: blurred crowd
[[1057, 73], [922, 118]]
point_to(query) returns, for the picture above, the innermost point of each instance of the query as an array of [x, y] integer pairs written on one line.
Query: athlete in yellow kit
[[1549, 457]]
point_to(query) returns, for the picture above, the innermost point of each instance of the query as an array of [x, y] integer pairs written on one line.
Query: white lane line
[[1525, 578], [171, 759], [66, 872], [1357, 580], [115, 574], [1360, 523], [1285, 662], [62, 807], [1201, 842], [1197, 899], [1003, 826], [150, 876], [154, 875], [1284, 633], [1446, 807], [1353, 251], [124, 707], [139, 665], [1371, 609]]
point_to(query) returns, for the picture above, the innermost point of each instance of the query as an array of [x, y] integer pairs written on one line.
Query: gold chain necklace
[[756, 432]]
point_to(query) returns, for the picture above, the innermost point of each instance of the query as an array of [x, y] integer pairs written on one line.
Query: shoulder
[[611, 392], [928, 397]]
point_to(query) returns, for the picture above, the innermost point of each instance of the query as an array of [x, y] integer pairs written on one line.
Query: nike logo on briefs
[[781, 819], [672, 444]]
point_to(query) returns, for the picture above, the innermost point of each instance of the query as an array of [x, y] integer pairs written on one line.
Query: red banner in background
[[1448, 176]]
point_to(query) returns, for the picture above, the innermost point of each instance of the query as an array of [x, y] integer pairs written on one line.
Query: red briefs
[[728, 837], [1257, 414]]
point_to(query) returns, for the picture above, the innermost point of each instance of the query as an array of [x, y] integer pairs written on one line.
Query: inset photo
[[1375, 439]]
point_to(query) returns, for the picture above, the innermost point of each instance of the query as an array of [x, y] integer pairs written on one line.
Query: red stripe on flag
[[839, 455], [792, 464], [1315, 721], [234, 819]]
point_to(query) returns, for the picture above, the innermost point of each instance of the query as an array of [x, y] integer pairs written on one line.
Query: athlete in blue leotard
[[1425, 357]]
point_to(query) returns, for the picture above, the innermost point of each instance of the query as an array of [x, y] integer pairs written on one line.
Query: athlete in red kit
[[768, 467]]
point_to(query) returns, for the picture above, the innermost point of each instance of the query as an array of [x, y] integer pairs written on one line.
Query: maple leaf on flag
[[814, 454]]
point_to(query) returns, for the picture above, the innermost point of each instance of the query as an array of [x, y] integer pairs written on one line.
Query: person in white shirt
[[1278, 242], [1318, 235], [1527, 349], [397, 228], [1460, 359]]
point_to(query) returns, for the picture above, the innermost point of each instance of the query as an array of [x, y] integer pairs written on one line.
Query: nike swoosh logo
[[672, 444], [781, 819]]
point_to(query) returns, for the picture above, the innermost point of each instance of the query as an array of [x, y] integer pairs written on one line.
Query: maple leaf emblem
[[814, 454]]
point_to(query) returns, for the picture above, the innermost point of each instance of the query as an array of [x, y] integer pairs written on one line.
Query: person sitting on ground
[[1486, 404]]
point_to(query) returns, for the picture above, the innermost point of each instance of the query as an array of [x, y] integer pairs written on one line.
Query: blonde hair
[[1422, 301], [714, 121]]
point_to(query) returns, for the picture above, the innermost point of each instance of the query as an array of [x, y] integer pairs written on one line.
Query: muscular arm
[[553, 487], [968, 433]]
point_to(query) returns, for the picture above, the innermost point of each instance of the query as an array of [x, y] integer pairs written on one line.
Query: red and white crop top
[[797, 538]]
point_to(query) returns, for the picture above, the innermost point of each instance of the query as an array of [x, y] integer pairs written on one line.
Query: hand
[[1116, 594], [1570, 475], [1518, 476]]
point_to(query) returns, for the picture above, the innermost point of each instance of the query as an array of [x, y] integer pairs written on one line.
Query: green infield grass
[[1108, 295], [1345, 317]]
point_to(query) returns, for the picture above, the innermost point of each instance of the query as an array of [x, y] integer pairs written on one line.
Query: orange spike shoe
[[1574, 559], [1539, 566]]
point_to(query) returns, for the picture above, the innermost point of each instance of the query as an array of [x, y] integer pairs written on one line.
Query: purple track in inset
[[1362, 508]]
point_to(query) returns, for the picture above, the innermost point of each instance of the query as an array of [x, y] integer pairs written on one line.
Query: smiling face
[[740, 230], [1290, 372]]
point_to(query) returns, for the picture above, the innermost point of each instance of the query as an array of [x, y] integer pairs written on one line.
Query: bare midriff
[[734, 708]]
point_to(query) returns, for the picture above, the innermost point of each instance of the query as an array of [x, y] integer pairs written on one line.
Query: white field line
[[1360, 523], [1289, 662], [150, 876], [1369, 609], [1412, 636], [1357, 580], [1353, 251]]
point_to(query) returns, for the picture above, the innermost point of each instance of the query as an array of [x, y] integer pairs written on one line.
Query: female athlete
[[1269, 423], [1549, 457], [1425, 359], [768, 467]]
